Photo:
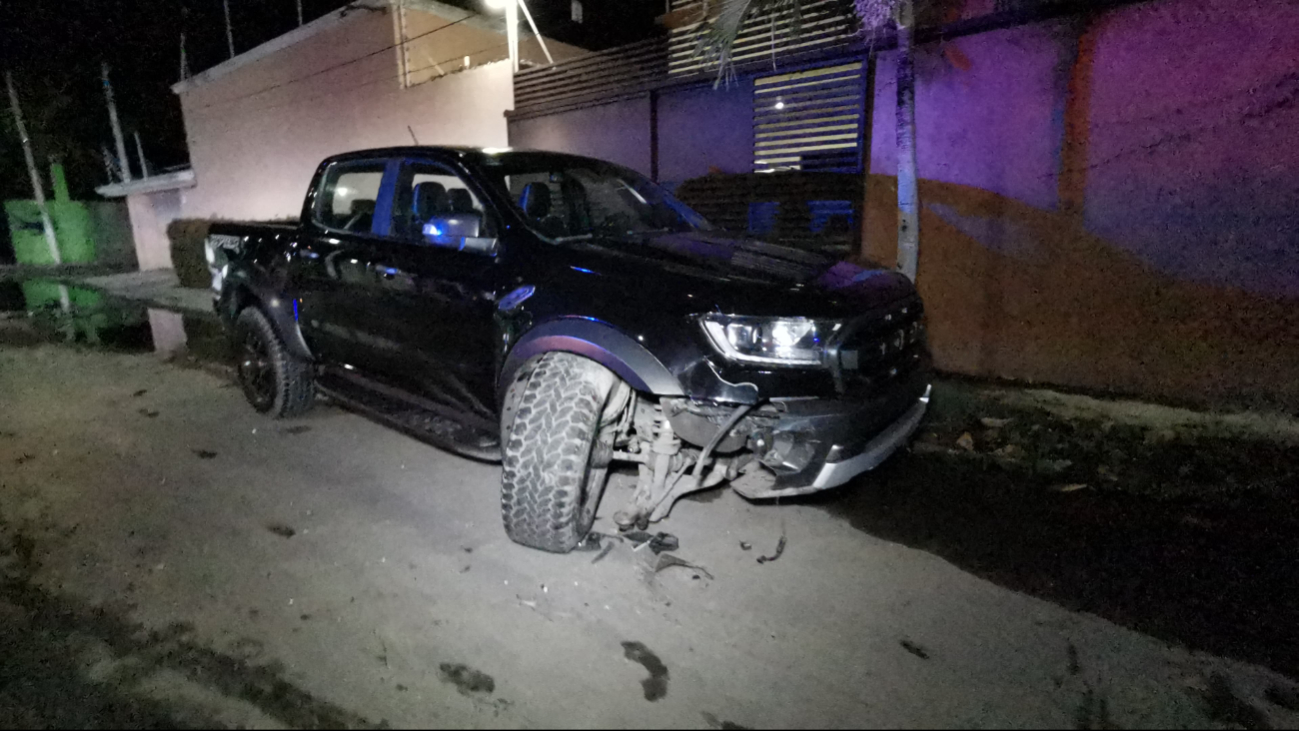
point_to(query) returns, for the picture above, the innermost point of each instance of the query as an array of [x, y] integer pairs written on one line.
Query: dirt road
[[171, 558]]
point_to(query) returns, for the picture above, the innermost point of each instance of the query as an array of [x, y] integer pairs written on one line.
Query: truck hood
[[740, 274]]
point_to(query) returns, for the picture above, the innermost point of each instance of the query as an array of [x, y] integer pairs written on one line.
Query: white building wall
[[257, 133]]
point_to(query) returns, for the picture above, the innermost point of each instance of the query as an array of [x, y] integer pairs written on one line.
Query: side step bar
[[428, 421]]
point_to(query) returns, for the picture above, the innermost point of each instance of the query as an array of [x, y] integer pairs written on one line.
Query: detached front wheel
[[555, 451], [273, 381]]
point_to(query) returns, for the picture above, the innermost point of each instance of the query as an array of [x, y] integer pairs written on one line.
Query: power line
[[385, 77], [339, 65]]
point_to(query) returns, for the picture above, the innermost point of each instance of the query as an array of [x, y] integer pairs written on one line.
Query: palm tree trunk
[[908, 176]]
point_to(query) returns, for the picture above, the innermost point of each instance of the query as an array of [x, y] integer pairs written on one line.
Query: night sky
[[54, 50]]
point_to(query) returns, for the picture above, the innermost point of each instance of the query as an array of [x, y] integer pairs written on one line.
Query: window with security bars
[[811, 120]]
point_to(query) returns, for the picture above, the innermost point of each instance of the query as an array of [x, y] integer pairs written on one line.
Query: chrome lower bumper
[[877, 450]]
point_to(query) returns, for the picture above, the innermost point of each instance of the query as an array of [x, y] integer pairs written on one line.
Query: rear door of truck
[[333, 277]]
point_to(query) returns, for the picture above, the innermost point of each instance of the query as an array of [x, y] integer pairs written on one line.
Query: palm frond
[[718, 35]]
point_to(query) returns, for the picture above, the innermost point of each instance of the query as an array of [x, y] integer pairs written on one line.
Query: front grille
[[877, 348]]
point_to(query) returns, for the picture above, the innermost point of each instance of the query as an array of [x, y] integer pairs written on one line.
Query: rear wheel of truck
[[274, 382], [555, 450]]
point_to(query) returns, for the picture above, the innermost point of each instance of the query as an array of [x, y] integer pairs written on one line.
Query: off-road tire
[[289, 388], [550, 427]]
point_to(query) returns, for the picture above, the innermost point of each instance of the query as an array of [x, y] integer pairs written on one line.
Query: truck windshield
[[567, 199]]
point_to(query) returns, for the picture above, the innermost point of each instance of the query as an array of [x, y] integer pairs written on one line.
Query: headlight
[[771, 341]]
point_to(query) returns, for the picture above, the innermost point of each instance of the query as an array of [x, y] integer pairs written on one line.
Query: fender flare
[[280, 310], [602, 344]]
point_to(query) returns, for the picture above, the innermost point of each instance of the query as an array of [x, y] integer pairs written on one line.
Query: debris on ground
[[204, 454], [745, 545], [466, 680], [25, 457], [780, 547], [992, 423], [966, 442], [592, 542], [1074, 487], [715, 722], [140, 393], [662, 542], [1009, 451], [657, 542], [914, 649], [667, 561], [604, 552], [281, 530]]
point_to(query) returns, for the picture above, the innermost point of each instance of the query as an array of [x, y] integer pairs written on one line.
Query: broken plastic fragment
[[780, 550], [667, 560]]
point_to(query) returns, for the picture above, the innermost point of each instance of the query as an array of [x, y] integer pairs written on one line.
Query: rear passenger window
[[348, 196]]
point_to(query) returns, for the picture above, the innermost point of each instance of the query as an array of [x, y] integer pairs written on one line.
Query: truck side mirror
[[460, 231]]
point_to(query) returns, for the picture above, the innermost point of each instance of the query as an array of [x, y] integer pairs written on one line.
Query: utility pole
[[512, 31], [139, 151], [108, 164], [37, 188], [117, 128], [299, 12], [230, 34], [184, 62], [536, 33]]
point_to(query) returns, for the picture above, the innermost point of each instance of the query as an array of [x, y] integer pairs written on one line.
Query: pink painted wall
[[150, 213], [254, 148]]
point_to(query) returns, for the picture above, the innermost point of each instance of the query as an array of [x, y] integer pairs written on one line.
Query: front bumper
[[833, 474], [842, 444]]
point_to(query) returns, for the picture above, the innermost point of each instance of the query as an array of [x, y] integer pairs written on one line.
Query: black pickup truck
[[561, 314]]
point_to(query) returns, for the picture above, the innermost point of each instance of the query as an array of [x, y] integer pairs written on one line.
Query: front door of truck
[[436, 284], [332, 271]]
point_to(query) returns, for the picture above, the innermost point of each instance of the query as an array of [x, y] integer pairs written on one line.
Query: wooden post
[[38, 189]]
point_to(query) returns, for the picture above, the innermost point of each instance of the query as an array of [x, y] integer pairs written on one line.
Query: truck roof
[[476, 153]]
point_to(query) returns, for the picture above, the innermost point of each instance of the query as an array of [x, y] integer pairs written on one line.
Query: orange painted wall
[[1110, 202]]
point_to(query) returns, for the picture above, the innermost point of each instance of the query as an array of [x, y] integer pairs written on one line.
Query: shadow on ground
[[64, 664], [1183, 537]]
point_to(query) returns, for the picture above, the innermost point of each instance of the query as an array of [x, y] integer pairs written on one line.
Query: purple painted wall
[[1194, 149], [618, 132], [702, 129], [699, 129], [1110, 202], [1190, 157]]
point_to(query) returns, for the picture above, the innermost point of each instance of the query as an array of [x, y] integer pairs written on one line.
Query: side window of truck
[[348, 194], [433, 206]]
